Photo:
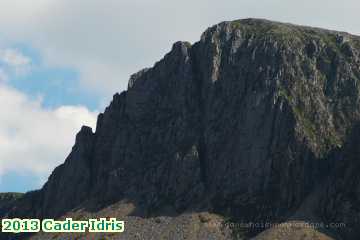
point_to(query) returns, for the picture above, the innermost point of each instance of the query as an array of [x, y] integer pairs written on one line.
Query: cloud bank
[[106, 41], [35, 140], [13, 61]]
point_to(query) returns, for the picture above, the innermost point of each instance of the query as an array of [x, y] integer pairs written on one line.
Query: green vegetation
[[6, 198], [308, 126], [334, 140], [282, 92], [264, 29], [292, 33], [10, 196]]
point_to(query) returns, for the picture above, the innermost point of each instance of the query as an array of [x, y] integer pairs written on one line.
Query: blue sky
[[61, 62], [52, 88], [19, 182], [57, 86]]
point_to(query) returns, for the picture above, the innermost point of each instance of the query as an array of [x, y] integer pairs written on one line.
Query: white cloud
[[33, 139], [108, 40], [3, 76], [14, 62], [14, 57]]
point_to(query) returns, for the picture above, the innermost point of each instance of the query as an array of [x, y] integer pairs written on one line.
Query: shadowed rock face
[[246, 122], [6, 200]]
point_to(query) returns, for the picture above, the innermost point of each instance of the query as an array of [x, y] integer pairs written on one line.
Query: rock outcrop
[[6, 200], [246, 123]]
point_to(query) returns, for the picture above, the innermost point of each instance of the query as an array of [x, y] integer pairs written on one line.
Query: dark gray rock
[[246, 122], [7, 199]]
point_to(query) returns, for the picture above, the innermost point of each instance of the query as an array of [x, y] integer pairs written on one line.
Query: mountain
[[6, 199], [257, 122]]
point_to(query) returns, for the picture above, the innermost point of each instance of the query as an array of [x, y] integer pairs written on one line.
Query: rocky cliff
[[6, 199], [249, 123]]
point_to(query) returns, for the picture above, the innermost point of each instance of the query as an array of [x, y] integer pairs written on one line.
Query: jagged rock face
[[341, 200], [149, 137], [243, 122]]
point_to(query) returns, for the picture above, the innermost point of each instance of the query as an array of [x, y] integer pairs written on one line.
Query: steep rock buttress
[[244, 122]]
